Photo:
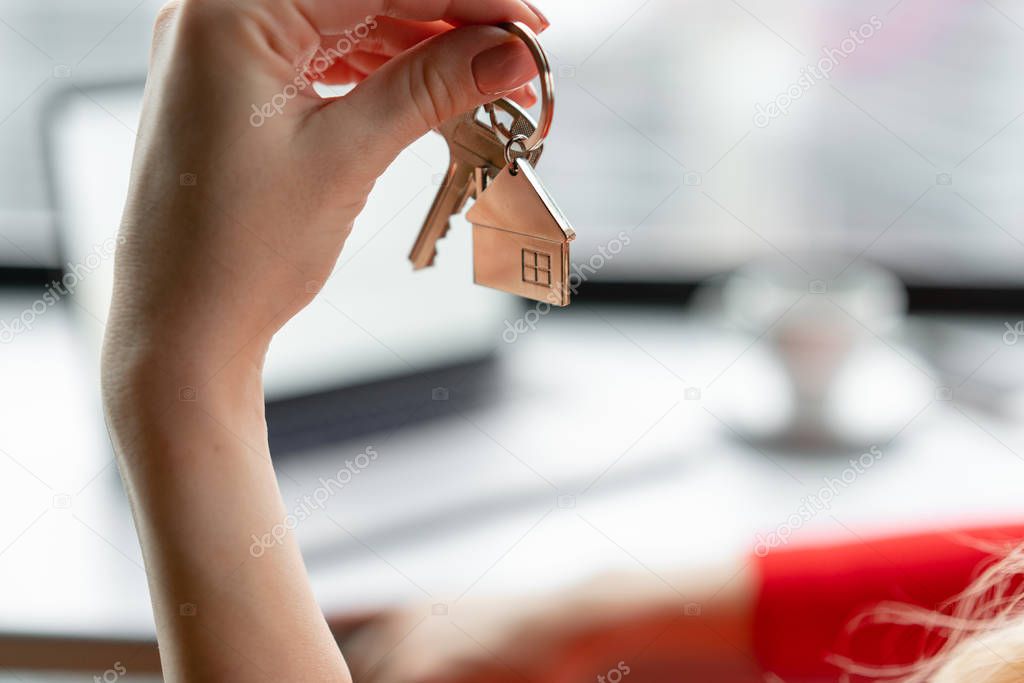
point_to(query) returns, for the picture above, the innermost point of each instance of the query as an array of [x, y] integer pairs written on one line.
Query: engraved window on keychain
[[536, 267]]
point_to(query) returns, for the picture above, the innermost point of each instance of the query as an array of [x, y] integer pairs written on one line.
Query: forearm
[[191, 441], [669, 621]]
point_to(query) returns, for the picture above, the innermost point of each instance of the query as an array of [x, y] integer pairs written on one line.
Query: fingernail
[[529, 96], [503, 68], [544, 23]]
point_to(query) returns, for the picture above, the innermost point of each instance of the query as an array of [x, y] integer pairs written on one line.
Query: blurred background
[[800, 240]]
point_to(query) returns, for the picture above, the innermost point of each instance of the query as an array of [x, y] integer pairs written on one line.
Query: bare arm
[[244, 188], [678, 626], [201, 483]]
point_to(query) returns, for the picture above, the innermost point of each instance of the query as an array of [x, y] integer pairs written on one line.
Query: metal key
[[472, 145]]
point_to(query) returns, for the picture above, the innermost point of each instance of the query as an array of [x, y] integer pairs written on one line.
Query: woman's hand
[[246, 183], [244, 187]]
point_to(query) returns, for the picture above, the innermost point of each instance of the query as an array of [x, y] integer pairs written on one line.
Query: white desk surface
[[591, 405]]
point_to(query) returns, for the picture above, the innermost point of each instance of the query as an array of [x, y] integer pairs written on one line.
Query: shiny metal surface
[[472, 145], [521, 238], [510, 158]]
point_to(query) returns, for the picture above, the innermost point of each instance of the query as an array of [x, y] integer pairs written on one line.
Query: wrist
[[157, 385], [197, 322]]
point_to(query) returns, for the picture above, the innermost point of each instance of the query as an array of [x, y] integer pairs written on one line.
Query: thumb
[[417, 91]]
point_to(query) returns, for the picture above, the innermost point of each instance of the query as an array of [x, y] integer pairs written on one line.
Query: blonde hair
[[981, 632]]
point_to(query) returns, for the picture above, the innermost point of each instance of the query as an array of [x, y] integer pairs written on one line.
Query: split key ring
[[547, 92]]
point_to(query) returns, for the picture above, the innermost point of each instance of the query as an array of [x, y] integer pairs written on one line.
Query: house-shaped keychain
[[521, 238]]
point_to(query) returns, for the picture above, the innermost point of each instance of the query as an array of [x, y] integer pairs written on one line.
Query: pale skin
[[212, 267], [694, 626]]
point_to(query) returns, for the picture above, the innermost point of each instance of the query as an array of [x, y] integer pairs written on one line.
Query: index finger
[[336, 16]]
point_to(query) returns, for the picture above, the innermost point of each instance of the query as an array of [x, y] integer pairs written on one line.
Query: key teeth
[[433, 251], [440, 236]]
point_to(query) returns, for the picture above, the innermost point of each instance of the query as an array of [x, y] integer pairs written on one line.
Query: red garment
[[810, 595]]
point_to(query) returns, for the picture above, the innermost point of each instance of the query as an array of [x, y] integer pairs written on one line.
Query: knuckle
[[165, 17], [434, 93], [199, 16], [168, 10], [373, 42], [201, 9], [280, 26], [303, 35], [386, 8]]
